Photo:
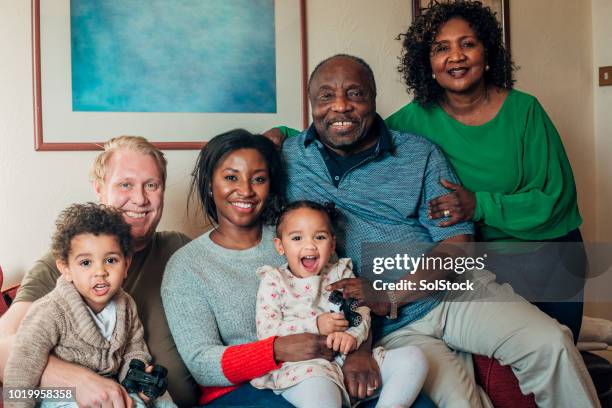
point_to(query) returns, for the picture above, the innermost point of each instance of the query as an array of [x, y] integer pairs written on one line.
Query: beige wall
[[602, 56], [552, 43]]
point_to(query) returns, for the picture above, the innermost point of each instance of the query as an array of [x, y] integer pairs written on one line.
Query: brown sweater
[[60, 323]]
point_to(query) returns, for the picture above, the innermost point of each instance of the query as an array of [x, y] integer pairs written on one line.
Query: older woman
[[210, 287], [517, 181]]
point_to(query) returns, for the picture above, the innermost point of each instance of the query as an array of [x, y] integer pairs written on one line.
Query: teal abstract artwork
[[173, 56]]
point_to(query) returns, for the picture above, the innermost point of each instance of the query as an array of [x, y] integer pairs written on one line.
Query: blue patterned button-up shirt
[[382, 199]]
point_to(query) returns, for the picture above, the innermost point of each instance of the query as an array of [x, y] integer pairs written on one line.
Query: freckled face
[[457, 57], [133, 184]]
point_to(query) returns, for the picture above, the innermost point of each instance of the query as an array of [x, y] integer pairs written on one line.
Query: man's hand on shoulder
[[276, 136]]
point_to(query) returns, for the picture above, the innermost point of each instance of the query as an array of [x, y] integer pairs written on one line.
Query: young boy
[[87, 319]]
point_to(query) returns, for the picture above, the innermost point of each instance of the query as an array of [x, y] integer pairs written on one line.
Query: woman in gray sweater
[[209, 287]]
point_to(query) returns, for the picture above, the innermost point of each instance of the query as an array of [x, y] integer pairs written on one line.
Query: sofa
[[499, 382]]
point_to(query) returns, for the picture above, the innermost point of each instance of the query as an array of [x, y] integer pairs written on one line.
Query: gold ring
[[371, 388], [446, 213]]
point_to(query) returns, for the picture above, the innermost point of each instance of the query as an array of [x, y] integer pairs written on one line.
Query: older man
[[382, 180], [130, 175]]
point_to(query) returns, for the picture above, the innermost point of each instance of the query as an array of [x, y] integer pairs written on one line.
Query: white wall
[[552, 43]]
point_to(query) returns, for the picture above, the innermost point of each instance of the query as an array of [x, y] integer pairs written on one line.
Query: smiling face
[[343, 106], [96, 266], [307, 241], [457, 57], [240, 188], [133, 184]]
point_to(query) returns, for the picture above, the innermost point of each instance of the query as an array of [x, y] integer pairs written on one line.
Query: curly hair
[[89, 218], [415, 66], [216, 150], [327, 208]]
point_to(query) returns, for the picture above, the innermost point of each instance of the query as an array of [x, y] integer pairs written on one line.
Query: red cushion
[[4, 294], [2, 303], [3, 306], [500, 384]]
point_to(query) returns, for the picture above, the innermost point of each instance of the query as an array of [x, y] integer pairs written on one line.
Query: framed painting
[[499, 7], [177, 73]]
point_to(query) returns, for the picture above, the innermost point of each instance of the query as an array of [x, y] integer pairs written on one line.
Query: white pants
[[494, 321], [403, 372]]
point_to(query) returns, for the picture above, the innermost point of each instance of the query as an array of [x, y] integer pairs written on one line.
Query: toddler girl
[[293, 299]]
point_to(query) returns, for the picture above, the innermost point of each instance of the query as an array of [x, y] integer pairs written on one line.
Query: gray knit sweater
[[60, 323], [209, 295]]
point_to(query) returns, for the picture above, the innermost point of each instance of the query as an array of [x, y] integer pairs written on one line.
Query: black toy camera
[[346, 306], [152, 385]]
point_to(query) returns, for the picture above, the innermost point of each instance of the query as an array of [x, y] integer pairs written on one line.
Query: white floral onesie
[[287, 304]]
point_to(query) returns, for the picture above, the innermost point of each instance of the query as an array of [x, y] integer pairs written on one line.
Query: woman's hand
[[361, 373], [328, 323], [300, 347], [341, 342], [364, 293], [457, 206]]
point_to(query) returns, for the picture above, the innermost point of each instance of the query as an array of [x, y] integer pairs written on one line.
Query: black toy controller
[[346, 306], [152, 385]]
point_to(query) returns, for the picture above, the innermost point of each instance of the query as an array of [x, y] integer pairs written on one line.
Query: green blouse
[[515, 164]]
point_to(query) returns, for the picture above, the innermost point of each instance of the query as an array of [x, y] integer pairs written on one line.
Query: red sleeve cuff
[[247, 361]]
